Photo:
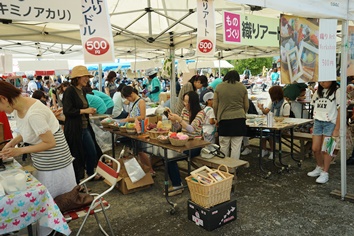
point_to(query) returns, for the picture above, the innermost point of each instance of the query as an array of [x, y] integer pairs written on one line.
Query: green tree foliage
[[255, 65]]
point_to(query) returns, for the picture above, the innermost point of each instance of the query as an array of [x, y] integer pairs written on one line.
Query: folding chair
[[98, 204]]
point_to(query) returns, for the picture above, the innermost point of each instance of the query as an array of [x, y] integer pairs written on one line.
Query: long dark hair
[[232, 77], [194, 106], [332, 89]]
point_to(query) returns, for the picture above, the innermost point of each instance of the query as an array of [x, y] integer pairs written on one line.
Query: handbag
[[211, 150], [73, 200]]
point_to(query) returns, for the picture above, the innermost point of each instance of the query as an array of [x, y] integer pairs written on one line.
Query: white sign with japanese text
[[96, 32], [250, 30], [63, 11], [327, 50], [206, 35]]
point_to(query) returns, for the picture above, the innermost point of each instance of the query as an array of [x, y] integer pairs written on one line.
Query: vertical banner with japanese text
[[327, 50], [307, 49], [96, 32], [250, 30], [64, 11], [206, 35], [350, 70]]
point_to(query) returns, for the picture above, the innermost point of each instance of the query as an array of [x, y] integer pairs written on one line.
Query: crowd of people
[[213, 107]]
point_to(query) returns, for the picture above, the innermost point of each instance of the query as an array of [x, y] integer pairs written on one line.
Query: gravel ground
[[289, 203]]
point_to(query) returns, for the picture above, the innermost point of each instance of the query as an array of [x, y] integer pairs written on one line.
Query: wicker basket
[[164, 141], [178, 142], [114, 127], [123, 129], [212, 194], [154, 134], [131, 130]]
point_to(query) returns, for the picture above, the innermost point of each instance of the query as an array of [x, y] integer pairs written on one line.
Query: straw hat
[[79, 71]]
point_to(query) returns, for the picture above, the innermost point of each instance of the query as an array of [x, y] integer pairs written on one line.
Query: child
[[209, 128], [326, 116]]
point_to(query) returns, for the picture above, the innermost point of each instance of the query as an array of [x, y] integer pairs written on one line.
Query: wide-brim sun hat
[[150, 72], [79, 71]]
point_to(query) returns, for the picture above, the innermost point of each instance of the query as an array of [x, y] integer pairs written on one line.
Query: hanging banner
[[315, 8], [327, 50], [306, 47], [64, 11], [250, 30], [350, 70], [206, 35], [96, 33]]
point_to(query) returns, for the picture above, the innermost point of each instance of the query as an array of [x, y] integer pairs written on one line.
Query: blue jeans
[[173, 170], [89, 151], [324, 128]]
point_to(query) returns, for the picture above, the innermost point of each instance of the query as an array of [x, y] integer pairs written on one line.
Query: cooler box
[[214, 217]]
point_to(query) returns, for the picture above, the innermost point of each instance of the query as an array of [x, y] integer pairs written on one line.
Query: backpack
[[292, 115]]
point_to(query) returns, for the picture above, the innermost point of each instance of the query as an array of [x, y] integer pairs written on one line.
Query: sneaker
[[270, 156], [316, 172], [323, 178], [264, 153], [246, 151]]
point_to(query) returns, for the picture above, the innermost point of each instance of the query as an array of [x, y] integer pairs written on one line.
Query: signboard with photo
[[307, 49]]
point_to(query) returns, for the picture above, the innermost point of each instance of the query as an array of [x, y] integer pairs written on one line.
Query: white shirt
[[32, 86], [38, 120], [118, 104], [284, 109], [326, 108], [209, 114]]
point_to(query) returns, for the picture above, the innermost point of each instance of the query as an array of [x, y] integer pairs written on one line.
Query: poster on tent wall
[[96, 33], [307, 46], [250, 30], [206, 34], [64, 11]]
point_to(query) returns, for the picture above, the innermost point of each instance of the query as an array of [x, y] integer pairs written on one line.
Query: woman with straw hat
[[77, 129]]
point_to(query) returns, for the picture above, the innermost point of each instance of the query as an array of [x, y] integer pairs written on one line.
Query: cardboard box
[[213, 217], [153, 119], [126, 186]]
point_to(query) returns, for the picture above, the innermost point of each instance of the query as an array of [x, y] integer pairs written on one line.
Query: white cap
[[207, 96]]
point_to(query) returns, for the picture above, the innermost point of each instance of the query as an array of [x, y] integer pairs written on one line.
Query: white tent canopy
[[141, 30], [210, 64]]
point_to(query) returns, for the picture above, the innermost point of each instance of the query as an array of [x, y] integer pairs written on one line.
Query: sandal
[[97, 178]]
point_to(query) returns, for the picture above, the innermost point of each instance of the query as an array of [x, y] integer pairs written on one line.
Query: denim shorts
[[324, 128]]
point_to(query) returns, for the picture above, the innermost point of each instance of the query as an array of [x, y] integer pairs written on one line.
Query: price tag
[[205, 46], [97, 46]]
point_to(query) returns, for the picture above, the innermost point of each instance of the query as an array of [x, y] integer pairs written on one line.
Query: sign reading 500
[[97, 46]]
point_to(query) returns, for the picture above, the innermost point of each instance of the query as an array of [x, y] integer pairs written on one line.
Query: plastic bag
[[103, 138], [134, 170]]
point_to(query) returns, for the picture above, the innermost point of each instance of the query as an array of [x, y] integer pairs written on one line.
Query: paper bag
[[134, 170]]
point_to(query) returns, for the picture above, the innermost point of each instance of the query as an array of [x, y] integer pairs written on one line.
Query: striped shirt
[[197, 123], [55, 158]]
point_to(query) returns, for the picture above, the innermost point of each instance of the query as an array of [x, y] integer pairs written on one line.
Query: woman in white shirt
[[38, 126], [118, 109]]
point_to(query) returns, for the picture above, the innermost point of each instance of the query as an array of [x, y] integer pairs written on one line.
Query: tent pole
[[149, 19], [343, 75], [173, 94], [100, 77]]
